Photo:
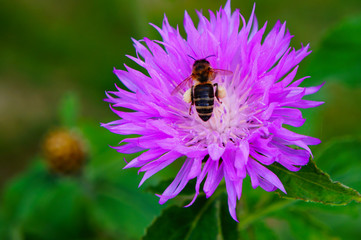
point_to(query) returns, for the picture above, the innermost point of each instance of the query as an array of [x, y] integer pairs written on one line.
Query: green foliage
[[304, 225], [205, 219], [118, 208], [258, 230], [339, 57], [265, 216], [336, 60], [69, 110], [39, 199], [311, 184], [341, 158], [101, 203]]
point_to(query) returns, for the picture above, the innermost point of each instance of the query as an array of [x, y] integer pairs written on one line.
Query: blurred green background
[[53, 51]]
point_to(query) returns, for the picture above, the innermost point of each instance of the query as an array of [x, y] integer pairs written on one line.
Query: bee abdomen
[[204, 100]]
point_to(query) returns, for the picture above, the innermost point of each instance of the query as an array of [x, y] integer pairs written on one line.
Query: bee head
[[200, 65], [201, 70]]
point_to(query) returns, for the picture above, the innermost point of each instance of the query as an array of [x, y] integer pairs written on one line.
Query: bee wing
[[183, 84], [221, 72]]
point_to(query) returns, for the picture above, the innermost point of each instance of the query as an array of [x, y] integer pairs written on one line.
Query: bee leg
[[217, 92], [192, 99], [220, 92]]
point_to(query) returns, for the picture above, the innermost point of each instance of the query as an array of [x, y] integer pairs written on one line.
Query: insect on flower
[[201, 94], [228, 141]]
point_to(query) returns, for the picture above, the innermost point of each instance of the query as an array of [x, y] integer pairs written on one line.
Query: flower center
[[232, 120]]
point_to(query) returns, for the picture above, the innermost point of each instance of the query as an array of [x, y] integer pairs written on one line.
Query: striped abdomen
[[203, 100]]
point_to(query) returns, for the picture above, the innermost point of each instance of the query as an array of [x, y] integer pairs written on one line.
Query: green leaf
[[341, 159], [339, 56], [68, 110], [118, 208], [37, 199], [205, 219], [123, 212], [311, 184]]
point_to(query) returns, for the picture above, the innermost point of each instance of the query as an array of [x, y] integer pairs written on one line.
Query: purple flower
[[247, 128]]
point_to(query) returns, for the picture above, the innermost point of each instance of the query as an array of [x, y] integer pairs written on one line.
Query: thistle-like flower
[[246, 130]]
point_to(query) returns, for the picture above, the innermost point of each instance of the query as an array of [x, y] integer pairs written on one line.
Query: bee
[[202, 92]]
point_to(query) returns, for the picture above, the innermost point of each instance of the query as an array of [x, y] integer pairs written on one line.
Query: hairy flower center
[[233, 120]]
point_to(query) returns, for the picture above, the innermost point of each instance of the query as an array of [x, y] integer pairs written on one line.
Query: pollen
[[187, 96], [222, 92]]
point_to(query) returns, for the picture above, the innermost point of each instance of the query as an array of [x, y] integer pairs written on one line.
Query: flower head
[[64, 152], [246, 130]]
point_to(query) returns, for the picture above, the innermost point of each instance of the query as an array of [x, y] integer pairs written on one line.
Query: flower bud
[[64, 152]]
